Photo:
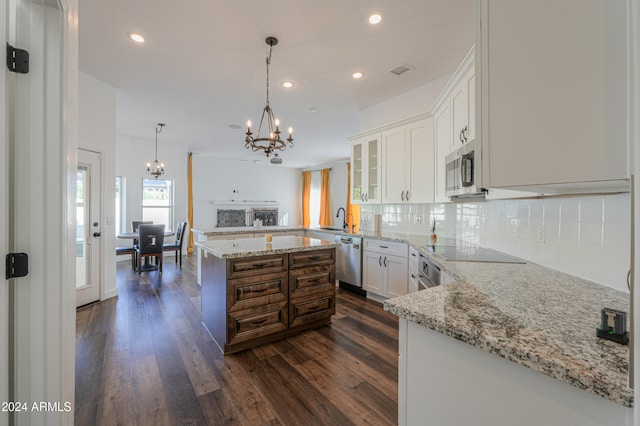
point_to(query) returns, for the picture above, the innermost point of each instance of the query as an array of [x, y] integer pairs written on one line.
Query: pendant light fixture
[[272, 140], [157, 168]]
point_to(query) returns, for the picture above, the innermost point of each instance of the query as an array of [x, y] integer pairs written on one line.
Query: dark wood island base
[[248, 301]]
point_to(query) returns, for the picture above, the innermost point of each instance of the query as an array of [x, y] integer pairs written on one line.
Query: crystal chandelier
[[272, 142], [157, 168]]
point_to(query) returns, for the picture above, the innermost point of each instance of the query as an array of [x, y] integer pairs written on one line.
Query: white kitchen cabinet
[[463, 100], [492, 390], [553, 87], [442, 130], [365, 170], [385, 269], [414, 265], [408, 157]]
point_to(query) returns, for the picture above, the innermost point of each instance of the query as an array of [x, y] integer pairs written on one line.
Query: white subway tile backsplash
[[570, 210], [581, 233], [591, 210]]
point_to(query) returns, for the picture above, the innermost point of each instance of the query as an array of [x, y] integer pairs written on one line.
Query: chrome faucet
[[344, 221]]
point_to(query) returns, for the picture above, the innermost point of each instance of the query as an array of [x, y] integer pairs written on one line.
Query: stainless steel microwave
[[463, 173]]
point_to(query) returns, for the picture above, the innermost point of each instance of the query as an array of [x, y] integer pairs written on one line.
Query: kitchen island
[[255, 292], [510, 344]]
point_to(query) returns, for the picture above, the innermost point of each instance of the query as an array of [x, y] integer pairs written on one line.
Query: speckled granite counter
[[537, 317], [232, 249], [244, 230]]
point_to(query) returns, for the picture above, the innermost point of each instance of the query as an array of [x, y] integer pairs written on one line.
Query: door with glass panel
[[88, 227]]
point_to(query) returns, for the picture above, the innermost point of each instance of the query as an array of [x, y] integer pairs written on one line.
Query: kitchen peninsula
[[255, 291]]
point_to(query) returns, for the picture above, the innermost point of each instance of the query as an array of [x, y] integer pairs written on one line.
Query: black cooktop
[[472, 254]]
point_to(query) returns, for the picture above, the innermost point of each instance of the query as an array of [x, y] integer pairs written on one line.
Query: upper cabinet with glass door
[[365, 170]]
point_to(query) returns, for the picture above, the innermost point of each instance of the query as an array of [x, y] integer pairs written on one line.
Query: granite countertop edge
[[596, 384]]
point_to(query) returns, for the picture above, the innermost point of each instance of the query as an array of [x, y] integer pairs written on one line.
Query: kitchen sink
[[328, 228]]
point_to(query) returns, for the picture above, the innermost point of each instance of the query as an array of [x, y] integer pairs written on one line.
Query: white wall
[[408, 104], [586, 236], [215, 179], [97, 132], [132, 156]]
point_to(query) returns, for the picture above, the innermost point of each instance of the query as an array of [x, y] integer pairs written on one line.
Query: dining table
[[135, 235]]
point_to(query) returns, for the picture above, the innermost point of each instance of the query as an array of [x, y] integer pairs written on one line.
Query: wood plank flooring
[[144, 358]]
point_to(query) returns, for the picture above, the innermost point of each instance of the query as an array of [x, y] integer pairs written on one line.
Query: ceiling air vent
[[400, 69]]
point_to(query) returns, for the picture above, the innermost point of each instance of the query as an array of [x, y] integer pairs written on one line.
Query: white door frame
[[92, 292], [40, 111]]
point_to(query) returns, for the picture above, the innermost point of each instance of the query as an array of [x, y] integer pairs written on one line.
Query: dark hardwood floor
[[144, 358]]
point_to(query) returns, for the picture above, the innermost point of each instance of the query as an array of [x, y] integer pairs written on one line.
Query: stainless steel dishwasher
[[349, 262]]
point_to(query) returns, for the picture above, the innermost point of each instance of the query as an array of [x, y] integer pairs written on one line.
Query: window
[[157, 201], [314, 199], [120, 204]]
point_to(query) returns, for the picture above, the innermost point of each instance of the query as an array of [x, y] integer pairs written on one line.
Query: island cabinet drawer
[[310, 258], [256, 265], [253, 323], [257, 290], [306, 309], [386, 247], [311, 280]]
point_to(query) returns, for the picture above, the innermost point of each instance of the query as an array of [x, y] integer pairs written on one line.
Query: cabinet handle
[[466, 133], [402, 195], [258, 322], [366, 197], [383, 246], [314, 257], [407, 195], [380, 260], [461, 137], [385, 261], [262, 290], [315, 308], [259, 265]]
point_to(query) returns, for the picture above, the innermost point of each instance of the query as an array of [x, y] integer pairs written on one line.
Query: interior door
[[38, 128], [88, 227], [4, 223]]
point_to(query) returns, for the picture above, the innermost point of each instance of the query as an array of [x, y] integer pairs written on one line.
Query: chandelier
[[272, 141], [157, 168]]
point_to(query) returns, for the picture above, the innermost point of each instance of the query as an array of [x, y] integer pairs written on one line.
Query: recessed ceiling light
[[357, 75], [375, 19], [136, 37], [287, 84]]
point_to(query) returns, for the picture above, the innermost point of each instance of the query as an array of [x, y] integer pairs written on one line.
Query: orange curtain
[[190, 200], [352, 209], [326, 209], [306, 196]]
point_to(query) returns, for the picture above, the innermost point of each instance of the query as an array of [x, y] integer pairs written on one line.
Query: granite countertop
[[535, 316], [249, 247], [245, 230]]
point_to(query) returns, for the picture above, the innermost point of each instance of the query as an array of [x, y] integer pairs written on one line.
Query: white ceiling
[[202, 67]]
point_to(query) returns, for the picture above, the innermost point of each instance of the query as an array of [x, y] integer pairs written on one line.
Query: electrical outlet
[[541, 233]]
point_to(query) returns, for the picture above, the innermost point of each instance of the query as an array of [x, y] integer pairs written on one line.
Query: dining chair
[[128, 250], [177, 246], [151, 242], [134, 227]]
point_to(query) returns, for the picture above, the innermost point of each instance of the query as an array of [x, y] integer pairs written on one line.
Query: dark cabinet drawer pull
[[263, 289], [314, 257], [384, 247], [259, 265], [258, 322]]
